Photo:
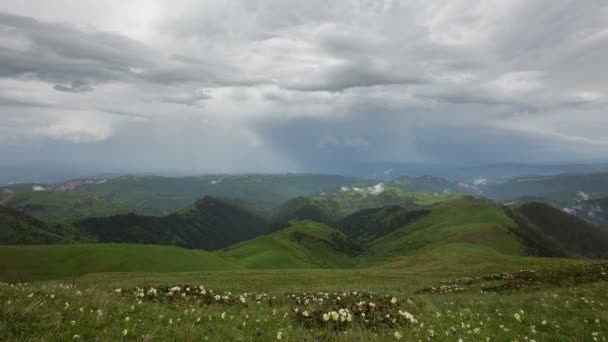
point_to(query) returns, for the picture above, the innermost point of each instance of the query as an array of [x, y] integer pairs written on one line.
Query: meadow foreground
[[556, 303]]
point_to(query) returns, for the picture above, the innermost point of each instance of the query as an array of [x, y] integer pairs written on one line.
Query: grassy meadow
[[436, 294], [450, 273]]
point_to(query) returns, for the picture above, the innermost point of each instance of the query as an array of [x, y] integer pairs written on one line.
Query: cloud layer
[[295, 85]]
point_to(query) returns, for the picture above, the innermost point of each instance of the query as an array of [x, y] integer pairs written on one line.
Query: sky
[[245, 85]]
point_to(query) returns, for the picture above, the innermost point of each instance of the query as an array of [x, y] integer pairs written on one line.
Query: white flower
[[118, 290], [394, 300], [408, 316]]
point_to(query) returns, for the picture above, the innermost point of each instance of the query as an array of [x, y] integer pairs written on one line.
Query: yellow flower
[[517, 316], [125, 332]]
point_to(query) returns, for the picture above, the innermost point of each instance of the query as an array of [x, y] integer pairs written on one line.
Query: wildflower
[[397, 335], [279, 335], [408, 316], [125, 332], [517, 316], [30, 295], [170, 321], [394, 300], [118, 290], [127, 319], [66, 306], [305, 313], [75, 337], [73, 323], [326, 317], [223, 315], [544, 322], [242, 299]]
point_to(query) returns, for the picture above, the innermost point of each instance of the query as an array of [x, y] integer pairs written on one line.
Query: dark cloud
[[62, 54], [302, 84]]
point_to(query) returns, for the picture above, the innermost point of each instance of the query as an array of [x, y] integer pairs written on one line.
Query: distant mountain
[[154, 195], [352, 199], [17, 228], [331, 207], [547, 231], [563, 187], [211, 223], [429, 184], [306, 208], [492, 173], [61, 205], [591, 210]]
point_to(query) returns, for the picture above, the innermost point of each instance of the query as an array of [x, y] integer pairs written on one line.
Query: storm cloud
[[295, 85]]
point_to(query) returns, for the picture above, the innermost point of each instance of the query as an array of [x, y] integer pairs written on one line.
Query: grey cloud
[[195, 98], [351, 75], [75, 87], [308, 82], [62, 54]]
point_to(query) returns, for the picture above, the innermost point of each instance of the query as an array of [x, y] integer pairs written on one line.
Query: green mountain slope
[[306, 208], [17, 228], [484, 225], [209, 224], [61, 205], [24, 263], [370, 224], [548, 231], [304, 244]]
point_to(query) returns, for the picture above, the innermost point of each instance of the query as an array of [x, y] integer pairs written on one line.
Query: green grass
[[483, 224], [304, 244], [66, 261], [90, 308]]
